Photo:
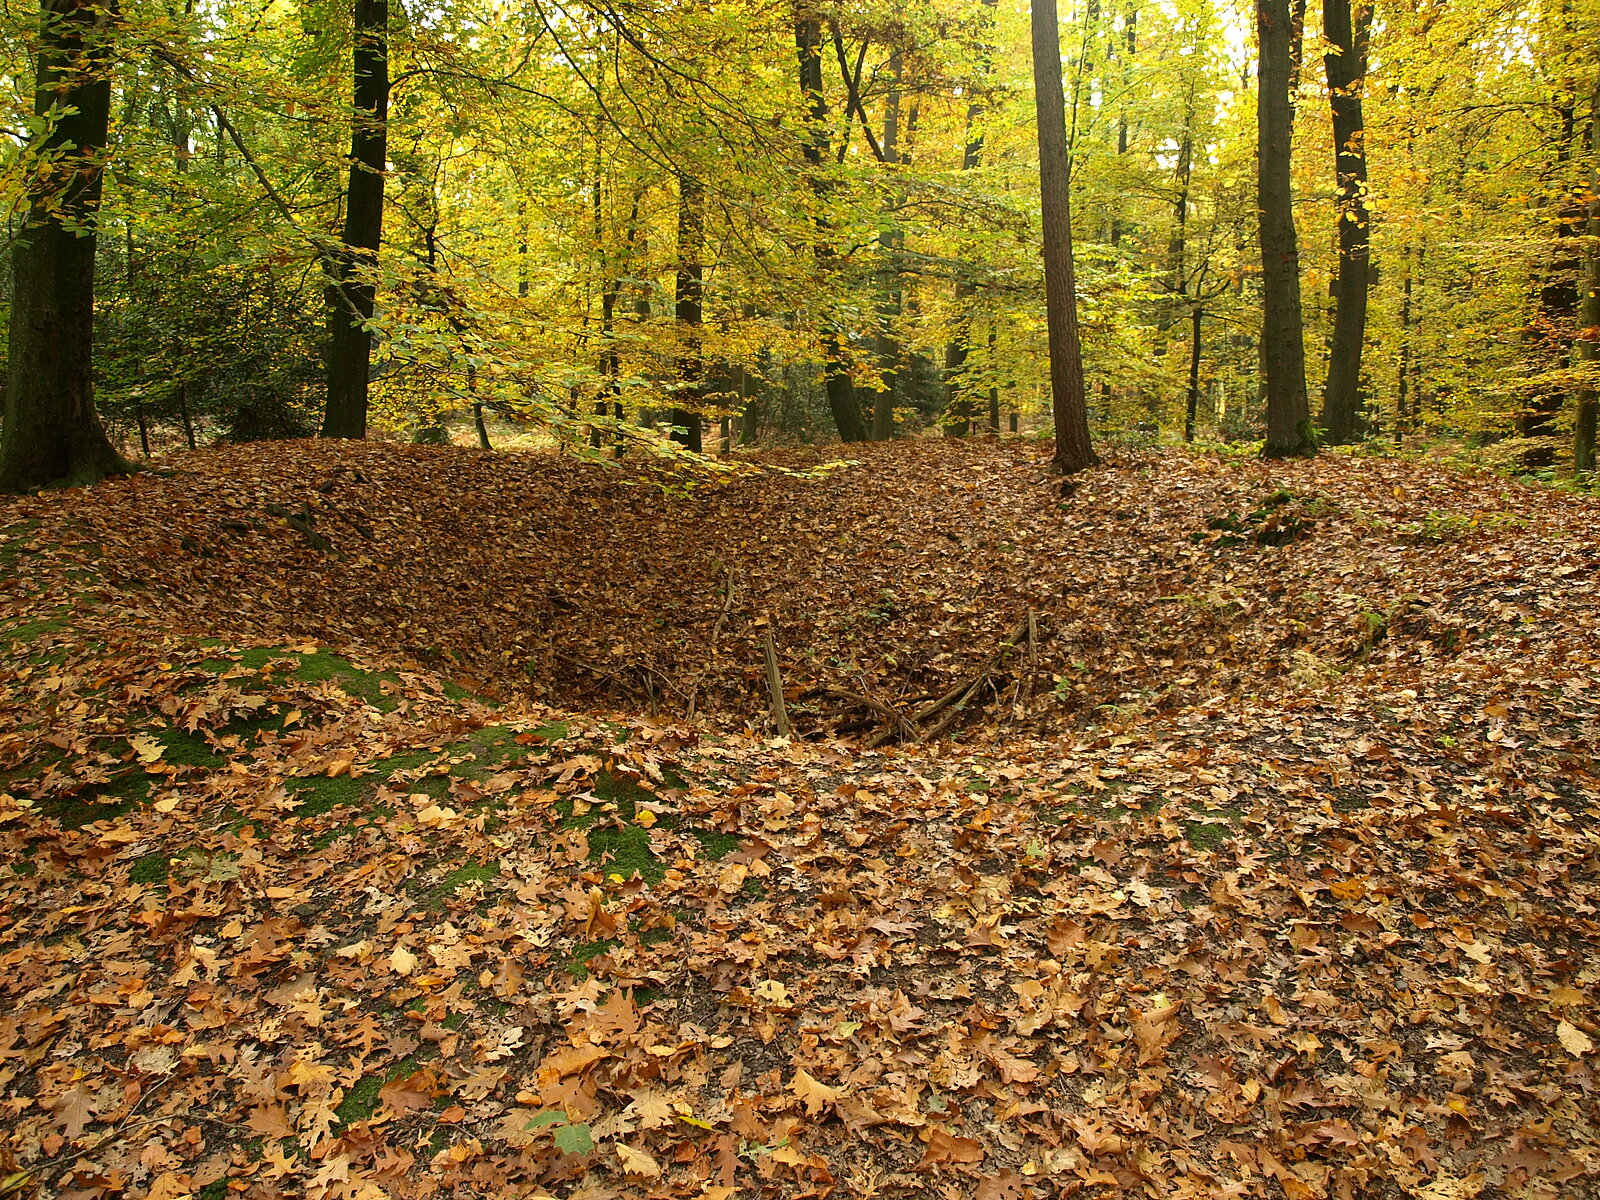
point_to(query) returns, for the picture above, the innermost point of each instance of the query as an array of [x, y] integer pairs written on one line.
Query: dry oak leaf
[[1007, 1185], [74, 1110], [568, 1061], [1577, 1042], [637, 1162], [410, 1092], [1096, 1139], [812, 1093], [402, 961], [947, 1148]]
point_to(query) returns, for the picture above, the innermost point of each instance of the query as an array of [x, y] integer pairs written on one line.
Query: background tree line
[[758, 220]]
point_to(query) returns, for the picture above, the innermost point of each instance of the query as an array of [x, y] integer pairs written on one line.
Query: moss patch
[[32, 631], [625, 851], [151, 869], [319, 794], [1210, 835], [459, 878], [715, 844], [585, 952], [126, 790]]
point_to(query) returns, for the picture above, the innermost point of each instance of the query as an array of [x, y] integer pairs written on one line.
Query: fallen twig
[[780, 711]]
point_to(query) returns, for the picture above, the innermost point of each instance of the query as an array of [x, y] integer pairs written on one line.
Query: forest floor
[[1221, 829]]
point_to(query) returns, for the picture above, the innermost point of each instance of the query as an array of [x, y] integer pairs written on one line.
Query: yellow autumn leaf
[[637, 1162], [402, 961], [1577, 1042]]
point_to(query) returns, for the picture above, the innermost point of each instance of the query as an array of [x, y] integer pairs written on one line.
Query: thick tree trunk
[[690, 312], [1069, 404], [1283, 356], [1347, 72], [351, 294], [52, 433]]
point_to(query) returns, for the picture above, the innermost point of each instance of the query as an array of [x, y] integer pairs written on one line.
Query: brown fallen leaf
[[944, 1148], [813, 1094]]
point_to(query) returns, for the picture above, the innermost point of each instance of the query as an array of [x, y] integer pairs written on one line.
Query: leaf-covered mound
[[289, 917], [1165, 583]]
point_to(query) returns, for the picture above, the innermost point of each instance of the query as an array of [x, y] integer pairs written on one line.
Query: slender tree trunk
[[994, 391], [1069, 406], [1192, 406], [478, 422], [1583, 439], [1347, 71], [690, 311], [183, 412], [1403, 388], [958, 401], [1283, 356], [841, 393], [891, 295], [52, 434], [351, 293]]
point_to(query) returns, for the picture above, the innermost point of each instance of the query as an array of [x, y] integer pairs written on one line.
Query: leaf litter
[[391, 865]]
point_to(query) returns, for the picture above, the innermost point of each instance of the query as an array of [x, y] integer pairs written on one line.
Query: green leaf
[[574, 1139], [553, 1117]]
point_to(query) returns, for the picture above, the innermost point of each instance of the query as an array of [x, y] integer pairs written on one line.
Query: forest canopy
[[807, 220]]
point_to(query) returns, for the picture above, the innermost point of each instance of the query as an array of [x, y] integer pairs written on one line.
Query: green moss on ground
[[716, 844], [323, 794], [585, 952], [624, 852], [150, 869]]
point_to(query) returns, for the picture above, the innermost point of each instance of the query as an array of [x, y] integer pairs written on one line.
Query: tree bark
[[1283, 356], [1347, 71], [1191, 408], [841, 392], [351, 293], [1069, 404], [1583, 431], [690, 311], [52, 434], [959, 407], [891, 299], [1403, 383]]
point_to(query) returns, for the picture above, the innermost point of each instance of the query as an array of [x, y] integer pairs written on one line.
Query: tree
[[1283, 356], [1583, 439], [842, 400], [351, 291], [52, 433], [1346, 66], [1068, 406], [686, 415]]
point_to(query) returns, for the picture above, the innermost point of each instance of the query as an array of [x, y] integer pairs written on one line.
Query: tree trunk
[[52, 433], [1583, 431], [1403, 387], [842, 400], [351, 292], [1283, 356], [1068, 401], [1347, 72], [1192, 405], [690, 311], [891, 298], [183, 411]]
